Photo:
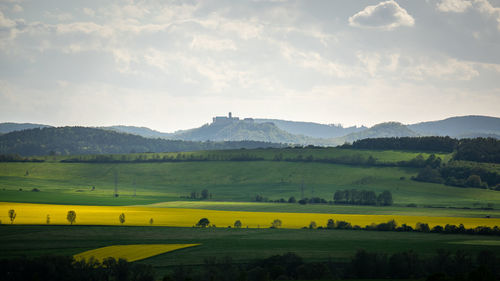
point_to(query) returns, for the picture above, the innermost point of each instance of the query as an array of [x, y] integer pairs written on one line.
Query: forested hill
[[140, 131], [83, 140]]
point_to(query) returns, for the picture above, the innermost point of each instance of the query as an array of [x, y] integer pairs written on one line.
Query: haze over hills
[[460, 127], [311, 129], [85, 140], [229, 128], [382, 130], [233, 129], [10, 127], [140, 131]]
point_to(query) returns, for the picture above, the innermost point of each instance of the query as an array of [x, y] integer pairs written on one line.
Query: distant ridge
[[11, 127], [460, 127], [310, 129], [140, 131], [233, 129], [382, 130], [229, 128]]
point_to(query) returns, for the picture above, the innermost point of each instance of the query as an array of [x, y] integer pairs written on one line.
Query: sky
[[171, 65]]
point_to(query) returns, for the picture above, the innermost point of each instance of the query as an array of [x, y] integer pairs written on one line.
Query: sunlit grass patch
[[479, 242], [130, 252]]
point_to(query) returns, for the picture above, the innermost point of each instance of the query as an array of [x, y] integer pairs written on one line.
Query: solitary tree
[[237, 224], [330, 224], [151, 221], [204, 222], [312, 225], [12, 216], [276, 223], [204, 194], [122, 218], [71, 217], [48, 219]]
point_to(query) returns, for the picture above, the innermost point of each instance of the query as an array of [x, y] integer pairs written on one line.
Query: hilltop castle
[[227, 119]]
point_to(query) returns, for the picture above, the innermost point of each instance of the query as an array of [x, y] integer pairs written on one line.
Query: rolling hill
[[84, 140], [140, 131], [238, 130], [383, 130], [11, 127], [460, 127], [310, 129], [305, 133]]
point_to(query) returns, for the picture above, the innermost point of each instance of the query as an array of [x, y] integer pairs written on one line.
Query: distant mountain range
[[229, 128]]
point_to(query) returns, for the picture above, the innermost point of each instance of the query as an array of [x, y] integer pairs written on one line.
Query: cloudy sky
[[174, 65]]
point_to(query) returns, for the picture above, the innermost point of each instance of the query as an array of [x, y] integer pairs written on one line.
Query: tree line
[[442, 266], [476, 149], [460, 175], [362, 197], [157, 158], [350, 197], [17, 158], [390, 225]]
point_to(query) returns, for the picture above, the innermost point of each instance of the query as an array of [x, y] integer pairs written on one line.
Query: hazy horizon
[[174, 65], [241, 117]]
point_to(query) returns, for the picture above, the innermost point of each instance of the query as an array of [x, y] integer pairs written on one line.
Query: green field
[[242, 245], [70, 183], [386, 156], [233, 186]]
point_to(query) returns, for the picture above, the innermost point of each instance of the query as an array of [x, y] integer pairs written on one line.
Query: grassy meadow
[[230, 181], [242, 245]]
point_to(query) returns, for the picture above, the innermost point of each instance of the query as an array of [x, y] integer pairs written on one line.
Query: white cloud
[[449, 69], [315, 61], [486, 8], [385, 15], [89, 12], [86, 28], [456, 6], [6, 22], [17, 8], [370, 61], [212, 43], [60, 16]]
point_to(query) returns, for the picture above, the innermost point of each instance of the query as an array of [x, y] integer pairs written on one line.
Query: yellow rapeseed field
[[130, 252], [109, 215]]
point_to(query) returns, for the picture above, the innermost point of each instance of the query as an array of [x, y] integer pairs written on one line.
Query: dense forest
[[83, 140], [438, 144]]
